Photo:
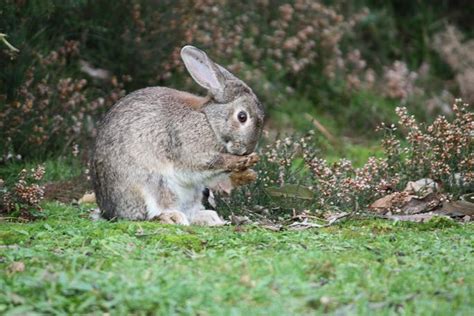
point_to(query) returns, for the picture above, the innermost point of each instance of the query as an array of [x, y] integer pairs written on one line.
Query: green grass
[[57, 169], [74, 265]]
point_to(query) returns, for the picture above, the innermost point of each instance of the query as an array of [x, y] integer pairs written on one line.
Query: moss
[[439, 222], [182, 241]]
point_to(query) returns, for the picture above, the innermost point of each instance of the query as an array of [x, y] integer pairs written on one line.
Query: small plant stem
[[3, 38]]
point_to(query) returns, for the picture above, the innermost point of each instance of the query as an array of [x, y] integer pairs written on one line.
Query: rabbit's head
[[233, 110]]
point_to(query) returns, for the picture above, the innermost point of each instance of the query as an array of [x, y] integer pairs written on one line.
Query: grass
[[58, 168], [74, 265]]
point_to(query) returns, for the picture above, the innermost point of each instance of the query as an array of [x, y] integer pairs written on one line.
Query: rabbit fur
[[158, 148]]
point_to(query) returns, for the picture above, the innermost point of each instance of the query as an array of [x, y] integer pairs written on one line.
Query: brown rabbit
[[158, 148]]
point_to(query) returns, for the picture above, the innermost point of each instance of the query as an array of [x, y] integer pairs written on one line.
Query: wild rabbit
[[157, 149]]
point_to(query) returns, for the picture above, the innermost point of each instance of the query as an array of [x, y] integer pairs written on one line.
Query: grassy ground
[[73, 265]]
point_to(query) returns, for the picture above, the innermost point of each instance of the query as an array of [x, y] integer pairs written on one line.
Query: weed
[[24, 198]]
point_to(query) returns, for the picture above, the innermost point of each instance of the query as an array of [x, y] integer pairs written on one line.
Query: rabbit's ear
[[205, 72]]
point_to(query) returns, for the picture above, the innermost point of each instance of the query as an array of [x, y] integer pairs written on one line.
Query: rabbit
[[157, 148]]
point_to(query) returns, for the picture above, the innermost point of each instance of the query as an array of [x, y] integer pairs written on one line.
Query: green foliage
[[68, 264], [330, 56]]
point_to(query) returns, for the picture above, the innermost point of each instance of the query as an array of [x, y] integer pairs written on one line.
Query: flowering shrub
[[51, 112], [24, 197], [295, 45], [442, 151], [458, 55]]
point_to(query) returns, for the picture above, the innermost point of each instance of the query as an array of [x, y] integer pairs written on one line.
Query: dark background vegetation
[[346, 63]]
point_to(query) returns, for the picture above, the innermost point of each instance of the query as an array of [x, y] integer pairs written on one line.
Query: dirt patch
[[67, 190]]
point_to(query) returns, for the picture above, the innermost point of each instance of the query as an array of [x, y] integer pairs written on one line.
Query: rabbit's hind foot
[[172, 217], [207, 218]]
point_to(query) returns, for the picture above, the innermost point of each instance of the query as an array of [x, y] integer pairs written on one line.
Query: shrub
[[442, 151], [51, 111], [457, 53], [24, 197]]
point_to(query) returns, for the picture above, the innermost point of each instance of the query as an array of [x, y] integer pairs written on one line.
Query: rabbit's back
[[155, 123]]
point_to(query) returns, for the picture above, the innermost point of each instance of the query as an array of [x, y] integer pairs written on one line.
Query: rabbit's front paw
[[238, 178], [173, 217], [245, 162], [207, 218]]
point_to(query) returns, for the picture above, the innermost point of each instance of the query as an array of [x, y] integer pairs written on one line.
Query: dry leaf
[[469, 197], [416, 205], [247, 281], [17, 266], [383, 204], [291, 191], [273, 228], [87, 198], [239, 220], [457, 208], [421, 188], [418, 197], [419, 218], [96, 73]]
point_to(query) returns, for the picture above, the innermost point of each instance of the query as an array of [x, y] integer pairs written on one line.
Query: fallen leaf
[[87, 198], [239, 220], [291, 191], [384, 204], [419, 218], [405, 203], [457, 208], [272, 227], [246, 280], [17, 266], [304, 225], [96, 73], [16, 299], [469, 197], [416, 205], [322, 129], [421, 188]]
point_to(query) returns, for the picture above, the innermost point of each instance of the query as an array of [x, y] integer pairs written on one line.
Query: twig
[[3, 38], [19, 219], [322, 129], [306, 225], [9, 246], [338, 218]]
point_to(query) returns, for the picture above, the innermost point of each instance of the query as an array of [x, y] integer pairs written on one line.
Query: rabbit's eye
[[242, 116]]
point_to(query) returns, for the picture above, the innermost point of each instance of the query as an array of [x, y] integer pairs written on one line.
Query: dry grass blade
[[3, 38], [320, 127]]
